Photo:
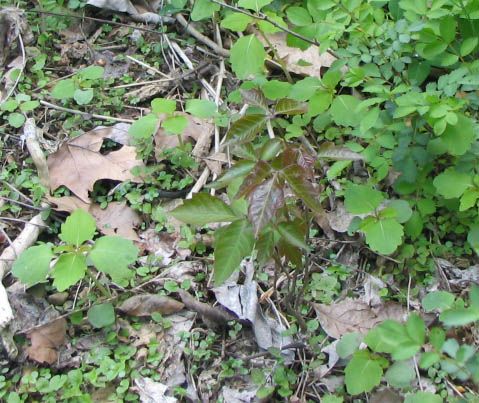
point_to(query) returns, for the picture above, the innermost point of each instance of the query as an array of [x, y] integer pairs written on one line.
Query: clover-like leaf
[[33, 264], [78, 227], [362, 373], [382, 235]]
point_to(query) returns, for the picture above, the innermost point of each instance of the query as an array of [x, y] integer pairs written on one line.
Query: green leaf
[[469, 199], [383, 235], [468, 45], [83, 97], [332, 399], [162, 105], [264, 201], [400, 374], [9, 105], [101, 315], [33, 264], [237, 22], [202, 108], [474, 296], [16, 120], [362, 199], [329, 150], [348, 344], [319, 102], [275, 89], [299, 16], [302, 187], [438, 300], [254, 97], [68, 270], [29, 106], [245, 128], [92, 73], [473, 237], [78, 227], [293, 234], [254, 5], [428, 359], [402, 208], [451, 183], [144, 128], [112, 255], [204, 209], [343, 110], [232, 244], [423, 397], [386, 337], [64, 89], [459, 137], [290, 107], [416, 329], [362, 373], [238, 170], [459, 316], [247, 57], [175, 124], [203, 9]]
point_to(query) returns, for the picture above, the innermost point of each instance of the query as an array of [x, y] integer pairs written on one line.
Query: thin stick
[[86, 114], [147, 66]]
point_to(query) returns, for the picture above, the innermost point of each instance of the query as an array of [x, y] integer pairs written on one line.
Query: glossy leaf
[[245, 128], [254, 97], [302, 187], [293, 233], [290, 107], [238, 170], [257, 176]]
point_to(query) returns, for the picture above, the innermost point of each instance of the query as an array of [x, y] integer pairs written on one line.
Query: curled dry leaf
[[354, 315], [45, 341], [139, 10], [78, 164], [306, 62], [152, 392], [13, 23], [146, 304]]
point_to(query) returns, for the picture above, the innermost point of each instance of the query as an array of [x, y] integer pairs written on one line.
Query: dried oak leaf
[[354, 315], [45, 340], [78, 164], [146, 304]]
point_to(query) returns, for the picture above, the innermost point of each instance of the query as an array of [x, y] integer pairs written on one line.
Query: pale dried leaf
[[78, 164], [146, 304], [385, 395], [353, 315], [339, 219], [306, 62], [116, 219], [152, 392], [45, 340], [372, 285], [231, 395]]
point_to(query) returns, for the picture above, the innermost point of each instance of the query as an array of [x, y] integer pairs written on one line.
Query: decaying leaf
[[45, 340], [146, 304], [78, 164], [116, 219], [331, 151], [152, 392], [353, 315], [140, 10], [339, 219], [306, 62], [13, 22]]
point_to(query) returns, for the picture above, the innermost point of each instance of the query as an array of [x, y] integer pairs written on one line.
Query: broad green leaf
[[204, 209], [79, 227], [259, 174], [402, 208], [386, 337], [428, 359], [383, 235], [144, 128], [175, 124], [247, 56], [438, 300], [271, 149], [264, 201], [64, 89], [29, 106], [16, 119], [469, 199], [162, 105], [342, 110], [83, 97], [400, 374], [238, 170], [304, 89], [245, 128], [92, 73], [302, 187], [451, 183], [298, 16], [264, 247], [202, 108], [101, 315], [290, 107], [232, 244], [275, 89], [319, 102], [237, 22], [68, 270], [348, 344], [468, 45], [362, 199], [203, 9], [416, 329], [459, 137], [473, 237], [362, 374], [293, 234], [255, 5], [459, 316], [423, 397], [112, 255], [33, 265], [9, 105]]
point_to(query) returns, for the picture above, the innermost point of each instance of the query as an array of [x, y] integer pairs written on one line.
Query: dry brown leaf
[[353, 315], [305, 62], [45, 340], [146, 304], [117, 219], [78, 164], [197, 128]]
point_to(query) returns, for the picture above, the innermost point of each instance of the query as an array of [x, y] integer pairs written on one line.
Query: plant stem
[[105, 291]]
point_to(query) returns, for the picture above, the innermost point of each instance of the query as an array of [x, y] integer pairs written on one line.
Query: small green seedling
[[70, 262]]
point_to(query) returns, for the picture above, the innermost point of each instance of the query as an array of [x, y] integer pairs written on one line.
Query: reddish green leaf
[[264, 202], [245, 128], [254, 97], [293, 233], [241, 168], [260, 172], [302, 187], [265, 247], [287, 106], [232, 244]]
